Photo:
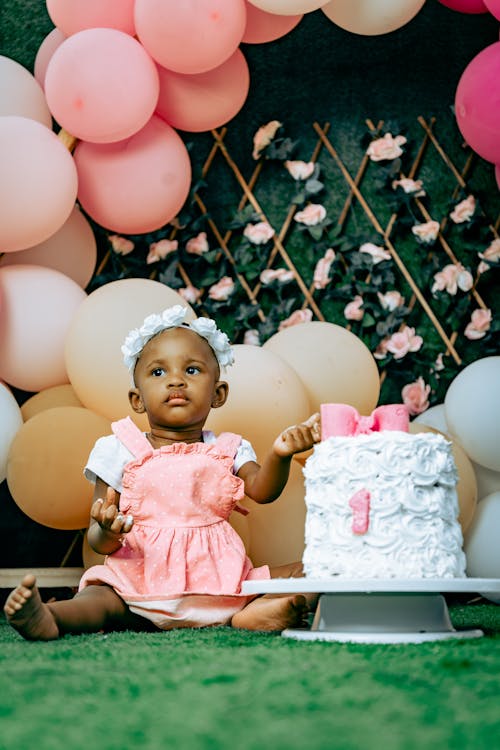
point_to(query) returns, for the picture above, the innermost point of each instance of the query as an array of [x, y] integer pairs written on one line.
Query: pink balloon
[[494, 7], [266, 27], [101, 85], [465, 6], [477, 103], [21, 94], [45, 51], [75, 15], [193, 36], [136, 185], [203, 101], [497, 175], [38, 183], [72, 250], [38, 307]]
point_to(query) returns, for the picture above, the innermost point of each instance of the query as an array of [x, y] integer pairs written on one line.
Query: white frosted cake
[[382, 505]]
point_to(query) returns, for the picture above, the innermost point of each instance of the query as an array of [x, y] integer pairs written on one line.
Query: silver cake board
[[378, 611]]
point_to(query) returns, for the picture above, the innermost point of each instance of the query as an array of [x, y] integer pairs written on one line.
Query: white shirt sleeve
[[107, 461]]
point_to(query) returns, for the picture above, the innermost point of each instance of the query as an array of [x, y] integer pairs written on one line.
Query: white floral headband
[[174, 317]]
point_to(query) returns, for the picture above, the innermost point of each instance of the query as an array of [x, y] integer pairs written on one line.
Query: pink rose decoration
[[222, 290], [278, 274], [402, 342], [197, 245], [480, 323], [190, 293], [312, 214], [264, 136], [378, 253], [353, 311], [258, 234], [464, 210], [451, 278], [492, 252], [251, 337], [426, 232], [386, 147], [410, 187], [121, 245], [416, 396], [160, 250], [321, 277], [391, 300], [297, 317], [439, 364], [300, 170]]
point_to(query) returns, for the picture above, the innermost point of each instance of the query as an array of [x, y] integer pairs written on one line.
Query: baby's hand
[[298, 438], [108, 515]]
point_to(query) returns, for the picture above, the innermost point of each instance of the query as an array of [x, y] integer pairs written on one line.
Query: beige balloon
[[59, 395], [467, 484], [45, 466], [371, 17], [265, 396], [333, 364], [93, 356]]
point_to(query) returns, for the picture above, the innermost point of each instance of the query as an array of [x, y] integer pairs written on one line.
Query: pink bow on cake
[[342, 420]]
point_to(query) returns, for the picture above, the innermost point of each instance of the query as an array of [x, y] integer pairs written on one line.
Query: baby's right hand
[[107, 514]]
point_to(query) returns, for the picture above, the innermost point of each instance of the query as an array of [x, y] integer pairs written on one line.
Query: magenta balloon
[[465, 6], [192, 36], [497, 175], [494, 7], [266, 27], [76, 15], [101, 85], [203, 101], [37, 311], [136, 185], [45, 51], [477, 103], [38, 183]]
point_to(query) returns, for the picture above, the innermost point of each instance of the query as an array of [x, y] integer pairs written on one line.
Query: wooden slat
[[45, 577]]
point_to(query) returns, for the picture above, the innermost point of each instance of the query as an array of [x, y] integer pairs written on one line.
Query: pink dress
[[182, 563]]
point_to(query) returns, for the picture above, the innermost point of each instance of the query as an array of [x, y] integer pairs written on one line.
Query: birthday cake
[[381, 502]]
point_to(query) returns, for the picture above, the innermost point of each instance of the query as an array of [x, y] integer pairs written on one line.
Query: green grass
[[222, 688]]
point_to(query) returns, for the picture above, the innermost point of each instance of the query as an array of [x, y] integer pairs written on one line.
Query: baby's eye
[[192, 370], [158, 372]]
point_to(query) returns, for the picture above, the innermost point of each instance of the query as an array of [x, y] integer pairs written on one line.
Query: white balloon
[[472, 408], [11, 422], [22, 95], [433, 417], [287, 7], [481, 546], [488, 481], [371, 17]]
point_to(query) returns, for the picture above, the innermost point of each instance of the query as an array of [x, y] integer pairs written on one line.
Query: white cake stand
[[378, 611]]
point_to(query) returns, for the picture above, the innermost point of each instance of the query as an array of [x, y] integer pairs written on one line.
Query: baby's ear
[[220, 394], [135, 400]]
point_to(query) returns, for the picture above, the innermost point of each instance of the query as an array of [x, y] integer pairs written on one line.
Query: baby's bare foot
[[26, 612], [273, 613]]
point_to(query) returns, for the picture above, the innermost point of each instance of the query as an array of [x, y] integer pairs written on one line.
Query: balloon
[[38, 183], [93, 344], [488, 481], [466, 485], [493, 6], [22, 95], [266, 27], [477, 103], [71, 250], [11, 422], [193, 36], [45, 466], [45, 51], [75, 15], [287, 7], [481, 542], [265, 396], [277, 529], [465, 6], [58, 395], [137, 185], [38, 306], [433, 417], [203, 101], [497, 175], [371, 18], [101, 85], [472, 406], [333, 364]]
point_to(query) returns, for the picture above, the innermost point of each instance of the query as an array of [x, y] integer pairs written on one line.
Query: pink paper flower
[[439, 364], [480, 323], [198, 245], [378, 253], [121, 245], [409, 186], [391, 300], [386, 147], [190, 293], [278, 274], [264, 136], [353, 310], [258, 234], [321, 277], [426, 232], [416, 396], [222, 290], [451, 278], [312, 214], [251, 337], [464, 210], [297, 317], [300, 170], [402, 342], [160, 250]]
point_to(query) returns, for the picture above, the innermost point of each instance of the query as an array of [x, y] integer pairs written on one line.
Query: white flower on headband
[[174, 317]]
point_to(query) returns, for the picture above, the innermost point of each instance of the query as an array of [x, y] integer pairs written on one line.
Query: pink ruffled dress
[[182, 564]]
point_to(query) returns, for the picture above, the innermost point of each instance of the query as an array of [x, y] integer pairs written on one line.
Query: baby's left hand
[[299, 437]]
